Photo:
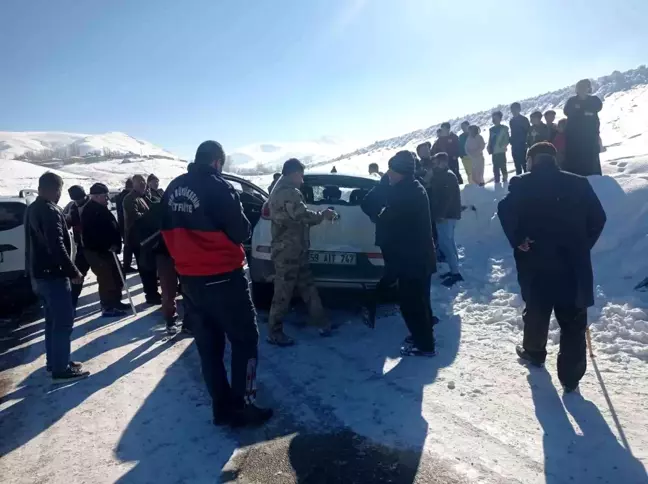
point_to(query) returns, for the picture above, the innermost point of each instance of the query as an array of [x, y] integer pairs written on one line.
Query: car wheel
[[262, 295]]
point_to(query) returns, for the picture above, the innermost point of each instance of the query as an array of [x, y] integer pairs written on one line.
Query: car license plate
[[336, 258]]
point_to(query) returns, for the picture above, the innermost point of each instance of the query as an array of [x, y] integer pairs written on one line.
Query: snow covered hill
[[617, 89], [63, 145], [269, 157]]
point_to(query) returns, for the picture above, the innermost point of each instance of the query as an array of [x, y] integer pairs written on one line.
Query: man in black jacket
[[73, 219], [445, 210], [101, 238], [520, 127], [127, 259], [582, 149], [405, 231], [47, 260], [204, 227], [552, 220]]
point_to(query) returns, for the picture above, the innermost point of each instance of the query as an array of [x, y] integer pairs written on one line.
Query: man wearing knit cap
[[408, 251], [73, 218], [101, 237]]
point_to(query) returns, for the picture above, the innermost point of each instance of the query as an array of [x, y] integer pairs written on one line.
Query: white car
[[15, 286], [342, 254]]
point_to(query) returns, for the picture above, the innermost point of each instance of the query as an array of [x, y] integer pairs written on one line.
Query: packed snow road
[[349, 409]]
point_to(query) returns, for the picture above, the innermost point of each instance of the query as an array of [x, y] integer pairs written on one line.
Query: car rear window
[[12, 215]]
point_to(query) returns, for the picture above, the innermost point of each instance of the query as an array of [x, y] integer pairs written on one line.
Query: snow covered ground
[[349, 407]]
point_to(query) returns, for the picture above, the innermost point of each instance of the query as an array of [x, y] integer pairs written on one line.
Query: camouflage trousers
[[294, 274]]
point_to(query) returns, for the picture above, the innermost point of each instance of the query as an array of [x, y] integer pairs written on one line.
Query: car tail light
[[264, 249], [265, 212], [374, 255]]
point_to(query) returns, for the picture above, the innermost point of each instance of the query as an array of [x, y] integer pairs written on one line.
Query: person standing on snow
[[405, 230], [101, 238], [127, 259], [559, 141], [475, 146], [73, 219], [465, 159], [138, 228], [51, 269], [539, 131], [445, 211], [498, 142], [448, 142], [291, 222], [520, 127], [550, 121], [204, 228], [583, 147], [552, 220]]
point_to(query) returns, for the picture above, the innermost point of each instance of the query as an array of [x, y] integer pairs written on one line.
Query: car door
[[252, 199], [12, 238]]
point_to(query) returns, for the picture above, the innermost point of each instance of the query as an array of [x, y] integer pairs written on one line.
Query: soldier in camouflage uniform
[[291, 223]]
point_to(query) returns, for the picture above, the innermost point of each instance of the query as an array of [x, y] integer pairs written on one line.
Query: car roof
[[339, 179], [231, 177], [15, 200]]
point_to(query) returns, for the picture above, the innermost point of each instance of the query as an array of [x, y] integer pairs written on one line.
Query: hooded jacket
[[203, 224]]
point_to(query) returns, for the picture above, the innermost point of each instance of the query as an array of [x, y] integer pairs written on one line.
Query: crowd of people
[[189, 240]]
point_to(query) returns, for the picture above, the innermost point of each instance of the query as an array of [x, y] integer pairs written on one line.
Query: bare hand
[[329, 214]]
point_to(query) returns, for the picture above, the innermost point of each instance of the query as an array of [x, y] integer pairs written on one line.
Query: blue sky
[[242, 71]]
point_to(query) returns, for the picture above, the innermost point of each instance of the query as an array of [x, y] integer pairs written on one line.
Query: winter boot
[[112, 313], [571, 389], [411, 350], [70, 374], [280, 339], [122, 306], [77, 365], [526, 357], [249, 416]]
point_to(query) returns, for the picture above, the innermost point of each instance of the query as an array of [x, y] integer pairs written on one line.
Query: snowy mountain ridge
[[43, 145], [604, 87]]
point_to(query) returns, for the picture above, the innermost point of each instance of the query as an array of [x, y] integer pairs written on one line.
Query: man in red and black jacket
[[204, 227]]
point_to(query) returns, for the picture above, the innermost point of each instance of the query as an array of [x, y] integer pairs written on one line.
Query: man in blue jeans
[[445, 210], [49, 264]]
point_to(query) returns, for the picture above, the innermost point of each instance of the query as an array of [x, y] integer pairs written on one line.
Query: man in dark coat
[[73, 219], [552, 220], [119, 207], [582, 149], [49, 264], [520, 128], [101, 237], [139, 226], [448, 142], [404, 231]]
